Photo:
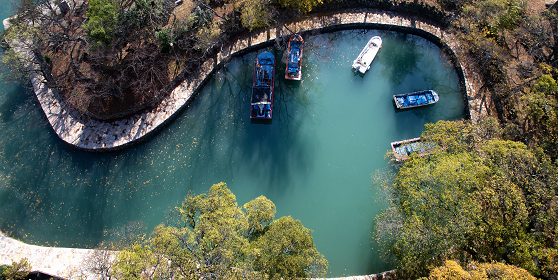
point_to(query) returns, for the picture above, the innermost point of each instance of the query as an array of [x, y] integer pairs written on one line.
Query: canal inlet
[[97, 136]]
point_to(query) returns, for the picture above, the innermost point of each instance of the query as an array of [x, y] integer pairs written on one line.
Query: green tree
[[541, 114], [254, 13], [433, 211], [285, 250], [102, 21], [455, 136], [17, 270], [302, 6], [490, 200], [210, 237]]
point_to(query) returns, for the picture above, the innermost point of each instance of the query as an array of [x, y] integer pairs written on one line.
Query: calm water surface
[[329, 134]]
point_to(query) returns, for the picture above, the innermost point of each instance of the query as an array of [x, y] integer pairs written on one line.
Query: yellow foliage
[[451, 270], [485, 271]]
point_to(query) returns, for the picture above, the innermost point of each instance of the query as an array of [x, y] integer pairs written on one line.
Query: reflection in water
[[400, 55], [329, 133]]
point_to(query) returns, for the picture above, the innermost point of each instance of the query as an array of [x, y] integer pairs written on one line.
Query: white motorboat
[[367, 55]]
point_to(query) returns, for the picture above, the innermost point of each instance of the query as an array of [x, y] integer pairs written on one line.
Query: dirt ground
[[183, 10]]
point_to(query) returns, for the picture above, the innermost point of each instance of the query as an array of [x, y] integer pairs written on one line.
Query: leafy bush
[[17, 270], [451, 270], [164, 39]]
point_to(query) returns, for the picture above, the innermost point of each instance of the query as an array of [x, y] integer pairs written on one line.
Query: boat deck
[[415, 99], [261, 95], [403, 149], [293, 71], [364, 60]]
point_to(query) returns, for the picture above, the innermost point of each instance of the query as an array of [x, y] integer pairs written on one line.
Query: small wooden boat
[[403, 149], [262, 88], [367, 55], [293, 71], [415, 99]]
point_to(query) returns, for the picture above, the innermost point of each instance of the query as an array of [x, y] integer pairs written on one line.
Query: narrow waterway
[[329, 134]]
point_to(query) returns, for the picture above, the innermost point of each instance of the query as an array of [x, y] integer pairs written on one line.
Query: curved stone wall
[[97, 136]]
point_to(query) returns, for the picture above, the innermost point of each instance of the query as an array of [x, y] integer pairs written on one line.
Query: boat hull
[[261, 104], [293, 69], [364, 60], [402, 150], [415, 99]]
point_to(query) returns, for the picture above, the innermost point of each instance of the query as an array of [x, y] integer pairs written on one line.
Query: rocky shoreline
[[97, 136]]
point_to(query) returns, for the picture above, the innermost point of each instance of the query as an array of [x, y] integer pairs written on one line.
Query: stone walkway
[[69, 263], [73, 263], [92, 135]]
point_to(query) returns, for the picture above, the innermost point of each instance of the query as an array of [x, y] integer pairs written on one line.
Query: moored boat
[[293, 71], [415, 99], [402, 150], [367, 55], [263, 86]]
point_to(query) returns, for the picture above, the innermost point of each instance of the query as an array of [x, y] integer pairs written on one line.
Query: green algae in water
[[329, 133]]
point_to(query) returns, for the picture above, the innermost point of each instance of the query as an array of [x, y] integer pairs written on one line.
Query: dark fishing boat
[[262, 89], [293, 71], [415, 99], [403, 149]]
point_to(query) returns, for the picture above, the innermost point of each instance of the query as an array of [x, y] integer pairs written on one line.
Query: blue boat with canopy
[[293, 71], [262, 88], [415, 99]]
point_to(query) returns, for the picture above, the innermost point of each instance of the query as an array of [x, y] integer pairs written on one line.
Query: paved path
[[92, 135], [72, 263]]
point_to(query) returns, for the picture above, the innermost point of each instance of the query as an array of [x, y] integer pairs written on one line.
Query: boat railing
[[403, 149]]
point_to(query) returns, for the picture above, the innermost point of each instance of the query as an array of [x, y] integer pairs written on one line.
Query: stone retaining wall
[[92, 135]]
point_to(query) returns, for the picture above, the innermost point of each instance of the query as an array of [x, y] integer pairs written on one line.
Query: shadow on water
[[60, 194], [53, 187], [13, 100], [262, 121], [51, 191], [400, 56], [273, 152]]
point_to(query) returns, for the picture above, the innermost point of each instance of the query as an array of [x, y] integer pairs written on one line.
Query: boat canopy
[[264, 75], [261, 95], [294, 59], [415, 99]]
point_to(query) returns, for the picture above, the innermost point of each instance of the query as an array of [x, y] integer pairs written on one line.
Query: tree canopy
[[491, 200], [102, 19], [451, 270], [211, 237], [15, 271]]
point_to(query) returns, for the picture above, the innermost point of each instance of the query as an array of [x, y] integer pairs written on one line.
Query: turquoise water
[[329, 134]]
